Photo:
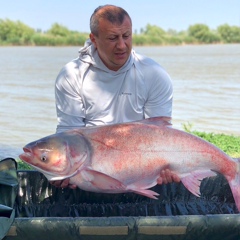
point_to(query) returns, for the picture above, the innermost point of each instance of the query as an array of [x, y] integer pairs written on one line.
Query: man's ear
[[93, 39]]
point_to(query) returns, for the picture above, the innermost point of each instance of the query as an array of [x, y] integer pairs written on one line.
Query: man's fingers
[[176, 178], [61, 183], [160, 181], [163, 178], [166, 176], [65, 183], [55, 183], [72, 186]]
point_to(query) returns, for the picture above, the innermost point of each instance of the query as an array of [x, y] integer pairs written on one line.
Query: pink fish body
[[129, 158]]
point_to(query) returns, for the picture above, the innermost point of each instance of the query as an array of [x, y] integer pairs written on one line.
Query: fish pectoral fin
[[145, 192], [141, 187], [102, 181], [192, 181]]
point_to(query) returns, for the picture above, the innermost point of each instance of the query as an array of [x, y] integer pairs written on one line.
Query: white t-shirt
[[88, 93]]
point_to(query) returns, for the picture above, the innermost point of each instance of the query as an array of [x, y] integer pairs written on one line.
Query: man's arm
[[159, 103], [69, 105], [160, 94]]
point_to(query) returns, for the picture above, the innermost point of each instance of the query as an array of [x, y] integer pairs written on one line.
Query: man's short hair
[[113, 14]]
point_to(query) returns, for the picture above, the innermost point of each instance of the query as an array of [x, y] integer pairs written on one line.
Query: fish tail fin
[[192, 180], [234, 184]]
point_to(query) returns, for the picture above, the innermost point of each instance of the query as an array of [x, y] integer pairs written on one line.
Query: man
[[109, 83]]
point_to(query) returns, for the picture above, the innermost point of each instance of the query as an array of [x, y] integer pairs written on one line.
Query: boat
[[31, 208]]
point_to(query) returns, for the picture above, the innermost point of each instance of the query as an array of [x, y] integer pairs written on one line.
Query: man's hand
[[63, 184], [166, 176]]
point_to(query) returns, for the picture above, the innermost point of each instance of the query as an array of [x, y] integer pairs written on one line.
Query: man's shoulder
[[140, 58], [72, 64], [150, 70], [147, 64], [70, 69]]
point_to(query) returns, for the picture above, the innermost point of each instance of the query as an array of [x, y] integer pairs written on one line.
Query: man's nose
[[120, 43]]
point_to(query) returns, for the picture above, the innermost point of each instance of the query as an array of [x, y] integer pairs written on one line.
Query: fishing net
[[43, 211], [39, 198]]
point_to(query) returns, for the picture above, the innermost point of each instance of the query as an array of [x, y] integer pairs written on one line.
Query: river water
[[206, 83]]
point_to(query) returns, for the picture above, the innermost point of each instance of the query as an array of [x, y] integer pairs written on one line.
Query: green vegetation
[[22, 165], [228, 143], [19, 34]]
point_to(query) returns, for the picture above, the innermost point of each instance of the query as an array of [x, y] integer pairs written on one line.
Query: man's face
[[114, 43]]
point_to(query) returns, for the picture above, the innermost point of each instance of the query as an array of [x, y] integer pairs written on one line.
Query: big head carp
[[129, 157]]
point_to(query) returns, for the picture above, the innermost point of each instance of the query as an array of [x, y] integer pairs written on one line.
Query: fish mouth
[[27, 155]]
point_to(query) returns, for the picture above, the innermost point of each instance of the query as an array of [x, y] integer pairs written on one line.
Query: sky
[[167, 14]]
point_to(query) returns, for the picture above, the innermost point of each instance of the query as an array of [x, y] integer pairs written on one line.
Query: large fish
[[129, 157]]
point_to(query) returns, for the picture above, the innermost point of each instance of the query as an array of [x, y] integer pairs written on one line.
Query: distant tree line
[[18, 33], [195, 34]]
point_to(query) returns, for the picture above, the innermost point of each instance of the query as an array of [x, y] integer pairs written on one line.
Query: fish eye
[[43, 158]]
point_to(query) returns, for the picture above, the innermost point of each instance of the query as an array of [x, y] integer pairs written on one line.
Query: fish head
[[58, 156]]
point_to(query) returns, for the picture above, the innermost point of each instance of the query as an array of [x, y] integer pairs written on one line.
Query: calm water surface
[[206, 83]]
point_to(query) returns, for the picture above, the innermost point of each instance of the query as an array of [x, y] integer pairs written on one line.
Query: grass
[[22, 165], [228, 143]]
